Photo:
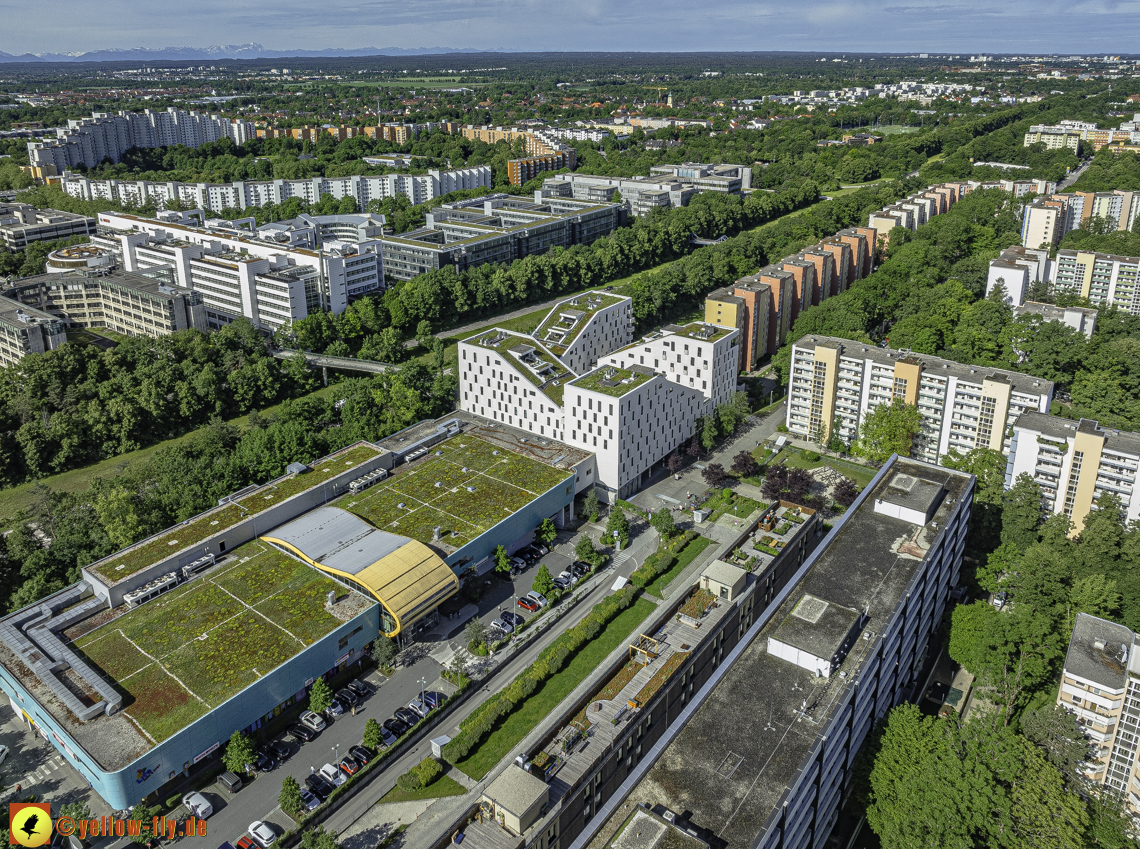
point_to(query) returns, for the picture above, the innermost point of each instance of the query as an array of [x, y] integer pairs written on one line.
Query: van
[[230, 781]]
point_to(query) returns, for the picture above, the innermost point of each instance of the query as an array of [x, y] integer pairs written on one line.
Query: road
[[1072, 178]]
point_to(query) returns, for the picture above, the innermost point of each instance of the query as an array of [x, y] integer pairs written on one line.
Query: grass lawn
[[862, 475], [17, 498], [546, 698], [442, 786], [688, 555]]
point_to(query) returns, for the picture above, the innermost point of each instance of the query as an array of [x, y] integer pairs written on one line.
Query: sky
[[1009, 26]]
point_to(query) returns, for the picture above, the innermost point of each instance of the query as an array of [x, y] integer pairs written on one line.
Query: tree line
[[60, 532]]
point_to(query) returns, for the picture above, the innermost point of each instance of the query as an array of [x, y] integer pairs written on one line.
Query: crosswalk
[[622, 556], [43, 773]]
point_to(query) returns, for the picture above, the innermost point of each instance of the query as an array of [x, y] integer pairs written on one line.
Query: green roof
[[411, 504], [186, 652], [691, 331], [150, 551], [615, 385], [560, 373], [583, 306]]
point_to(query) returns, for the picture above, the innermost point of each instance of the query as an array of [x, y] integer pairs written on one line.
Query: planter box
[[688, 620]]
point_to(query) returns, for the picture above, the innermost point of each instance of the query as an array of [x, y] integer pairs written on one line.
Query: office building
[[1106, 280], [495, 228], [105, 297], [705, 177], [239, 274], [1017, 268], [1080, 319], [417, 188], [21, 224], [1100, 685], [1075, 463], [753, 737], [88, 141], [25, 330], [835, 383], [640, 194]]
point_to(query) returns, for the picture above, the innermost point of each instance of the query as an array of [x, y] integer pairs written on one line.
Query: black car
[[581, 564], [347, 697], [280, 750], [433, 699], [513, 618], [361, 753], [407, 717], [264, 761], [395, 726], [302, 732], [319, 786], [361, 688], [530, 555]]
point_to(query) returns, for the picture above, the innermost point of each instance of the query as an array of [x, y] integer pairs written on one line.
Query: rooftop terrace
[[611, 380], [188, 651], [130, 560], [464, 487]]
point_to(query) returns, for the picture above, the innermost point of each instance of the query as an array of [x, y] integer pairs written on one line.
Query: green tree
[[144, 813], [373, 734], [318, 838], [617, 525], [547, 533], [502, 560], [590, 505], [384, 651], [585, 551], [1055, 730], [989, 491], [240, 753], [708, 433], [888, 429], [290, 797], [476, 633], [1021, 513], [459, 666], [320, 697], [662, 522], [543, 583]]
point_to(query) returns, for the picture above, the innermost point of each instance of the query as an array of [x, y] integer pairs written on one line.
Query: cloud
[[589, 25]]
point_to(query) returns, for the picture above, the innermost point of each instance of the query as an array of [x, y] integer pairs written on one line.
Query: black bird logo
[[29, 826]]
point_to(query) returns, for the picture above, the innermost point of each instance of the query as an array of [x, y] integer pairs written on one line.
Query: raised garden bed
[[698, 604], [662, 675]]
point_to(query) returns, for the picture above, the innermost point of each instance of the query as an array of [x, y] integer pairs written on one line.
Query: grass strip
[[443, 786]]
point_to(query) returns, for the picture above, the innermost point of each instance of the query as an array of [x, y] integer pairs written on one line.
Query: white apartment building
[[1081, 319], [583, 328], [88, 141], [1102, 278], [240, 275], [1100, 685], [1016, 268], [417, 188], [836, 382], [1043, 223], [1075, 463]]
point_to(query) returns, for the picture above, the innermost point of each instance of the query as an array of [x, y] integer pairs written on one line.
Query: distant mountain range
[[226, 51]]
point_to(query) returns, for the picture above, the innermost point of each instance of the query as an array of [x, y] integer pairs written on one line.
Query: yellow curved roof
[[403, 574]]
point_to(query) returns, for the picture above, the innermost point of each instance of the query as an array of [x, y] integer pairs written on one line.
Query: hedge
[[551, 659], [661, 561]]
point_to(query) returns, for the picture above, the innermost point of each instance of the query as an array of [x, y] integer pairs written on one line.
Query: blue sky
[[641, 25]]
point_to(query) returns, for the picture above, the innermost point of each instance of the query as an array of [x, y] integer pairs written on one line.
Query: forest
[[189, 476]]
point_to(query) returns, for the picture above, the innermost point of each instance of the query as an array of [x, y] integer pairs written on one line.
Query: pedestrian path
[[44, 772]]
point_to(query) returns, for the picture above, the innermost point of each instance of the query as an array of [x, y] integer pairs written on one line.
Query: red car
[[528, 604], [246, 843], [350, 765]]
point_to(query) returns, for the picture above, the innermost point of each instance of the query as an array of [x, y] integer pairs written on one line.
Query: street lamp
[[423, 681], [336, 753]]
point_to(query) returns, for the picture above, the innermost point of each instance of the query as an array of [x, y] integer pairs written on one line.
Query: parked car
[[302, 732], [246, 842], [262, 833], [309, 801], [312, 720], [529, 554], [528, 603], [505, 627], [407, 717], [280, 750], [350, 765], [581, 567], [420, 706], [331, 774], [387, 738], [537, 597], [362, 754], [434, 699], [319, 786], [1000, 600], [230, 781], [398, 728], [514, 618], [263, 761], [347, 698], [568, 576], [518, 564], [197, 805], [362, 688], [562, 583], [334, 709]]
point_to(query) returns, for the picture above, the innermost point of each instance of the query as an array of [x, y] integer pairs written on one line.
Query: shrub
[[428, 770], [173, 802], [410, 781], [811, 456]]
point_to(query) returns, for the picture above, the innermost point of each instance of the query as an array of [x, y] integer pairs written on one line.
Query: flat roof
[[186, 652], [516, 790], [11, 310], [731, 783], [1099, 651], [816, 626], [464, 486], [933, 366], [1061, 429], [134, 281], [614, 381], [507, 343], [122, 564]]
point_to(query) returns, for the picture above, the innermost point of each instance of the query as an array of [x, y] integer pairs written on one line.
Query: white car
[[198, 805], [309, 801], [505, 627], [262, 834], [537, 597], [332, 774], [313, 721], [334, 709]]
